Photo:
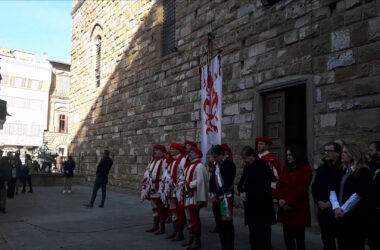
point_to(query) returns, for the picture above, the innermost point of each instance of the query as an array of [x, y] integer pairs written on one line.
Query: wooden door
[[274, 123]]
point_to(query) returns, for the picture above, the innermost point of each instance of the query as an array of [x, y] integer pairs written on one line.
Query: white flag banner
[[211, 108]]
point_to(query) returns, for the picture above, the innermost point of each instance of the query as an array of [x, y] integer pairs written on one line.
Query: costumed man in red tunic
[[262, 149], [150, 188], [195, 192], [188, 144], [173, 189]]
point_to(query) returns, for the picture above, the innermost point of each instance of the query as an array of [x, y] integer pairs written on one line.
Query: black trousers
[[29, 180], [217, 216], [351, 236], [11, 188], [227, 234], [329, 237], [294, 236], [99, 183], [260, 236]]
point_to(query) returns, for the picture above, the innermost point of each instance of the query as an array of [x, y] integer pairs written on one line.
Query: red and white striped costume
[[175, 170]]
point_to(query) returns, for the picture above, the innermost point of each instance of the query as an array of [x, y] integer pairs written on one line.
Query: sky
[[37, 27]]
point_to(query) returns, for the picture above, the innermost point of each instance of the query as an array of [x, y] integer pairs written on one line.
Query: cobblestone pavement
[[48, 219]]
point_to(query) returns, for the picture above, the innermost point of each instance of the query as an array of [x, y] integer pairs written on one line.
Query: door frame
[[281, 84]]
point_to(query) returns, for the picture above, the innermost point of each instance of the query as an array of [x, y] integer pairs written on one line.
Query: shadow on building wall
[[135, 108]]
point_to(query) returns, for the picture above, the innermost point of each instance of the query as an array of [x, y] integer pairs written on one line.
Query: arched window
[[98, 54], [96, 73]]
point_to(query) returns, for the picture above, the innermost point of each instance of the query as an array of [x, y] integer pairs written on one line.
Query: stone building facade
[[298, 71], [56, 136]]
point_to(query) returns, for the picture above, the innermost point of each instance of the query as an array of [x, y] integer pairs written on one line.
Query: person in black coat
[[255, 190], [68, 168], [223, 188], [327, 176], [351, 200], [101, 180], [373, 162]]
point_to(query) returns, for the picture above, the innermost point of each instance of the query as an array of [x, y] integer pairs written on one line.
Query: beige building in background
[[37, 95], [25, 87], [56, 136]]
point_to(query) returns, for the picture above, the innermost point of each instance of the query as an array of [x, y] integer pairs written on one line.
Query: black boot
[[179, 235], [196, 243], [175, 230], [190, 240], [154, 226], [161, 228]]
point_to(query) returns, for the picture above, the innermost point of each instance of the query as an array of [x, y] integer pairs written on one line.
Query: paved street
[[48, 219]]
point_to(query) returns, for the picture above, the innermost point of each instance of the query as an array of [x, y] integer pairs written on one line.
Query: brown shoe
[[154, 226]]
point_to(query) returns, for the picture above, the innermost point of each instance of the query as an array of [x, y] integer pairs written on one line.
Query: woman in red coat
[[293, 198]]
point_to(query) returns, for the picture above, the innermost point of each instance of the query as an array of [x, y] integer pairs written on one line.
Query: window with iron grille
[[98, 48], [168, 30]]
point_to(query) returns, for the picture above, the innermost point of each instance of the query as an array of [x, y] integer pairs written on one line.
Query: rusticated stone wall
[[146, 98]]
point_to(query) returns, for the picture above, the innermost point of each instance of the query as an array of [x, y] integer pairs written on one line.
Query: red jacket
[[293, 187]]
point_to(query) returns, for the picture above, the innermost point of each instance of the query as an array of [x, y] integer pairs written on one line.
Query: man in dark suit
[[326, 178], [101, 180], [223, 188], [255, 190]]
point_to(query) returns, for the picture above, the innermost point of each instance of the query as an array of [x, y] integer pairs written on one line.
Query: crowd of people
[[14, 174], [345, 189]]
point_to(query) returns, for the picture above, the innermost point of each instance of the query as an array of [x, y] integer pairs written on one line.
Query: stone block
[[352, 16], [374, 29], [340, 39], [319, 64], [291, 37], [302, 21], [321, 13], [257, 49], [294, 10], [352, 72], [359, 120], [245, 10], [321, 45], [346, 4], [265, 62], [340, 60], [245, 131], [359, 34], [366, 87], [232, 109], [369, 52], [328, 120], [337, 21], [318, 95], [246, 106], [276, 19]]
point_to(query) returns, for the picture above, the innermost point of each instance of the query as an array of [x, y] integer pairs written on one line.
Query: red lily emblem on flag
[[210, 105]]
